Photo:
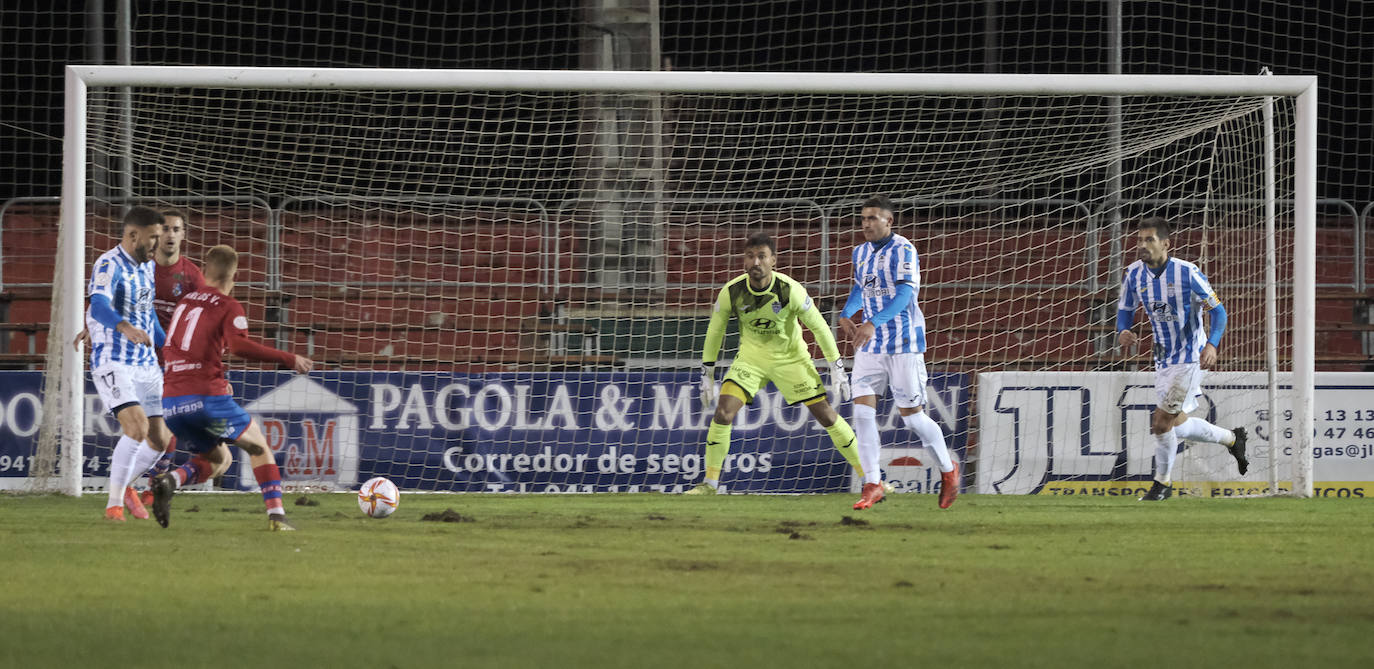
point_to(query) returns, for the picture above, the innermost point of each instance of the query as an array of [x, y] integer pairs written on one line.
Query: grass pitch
[[651, 580]]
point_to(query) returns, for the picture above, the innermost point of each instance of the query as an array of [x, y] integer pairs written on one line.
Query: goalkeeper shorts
[[798, 380]]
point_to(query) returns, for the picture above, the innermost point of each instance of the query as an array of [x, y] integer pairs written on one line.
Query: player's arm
[[239, 343], [811, 317], [1125, 316], [715, 336], [159, 337], [103, 281], [852, 305], [1216, 318]]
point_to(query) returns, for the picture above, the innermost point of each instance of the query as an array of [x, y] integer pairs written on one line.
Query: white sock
[[1166, 447], [144, 459], [120, 463], [931, 437], [864, 420], [715, 484], [1196, 429]]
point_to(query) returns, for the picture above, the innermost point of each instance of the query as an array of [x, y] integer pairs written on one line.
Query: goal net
[[505, 277]]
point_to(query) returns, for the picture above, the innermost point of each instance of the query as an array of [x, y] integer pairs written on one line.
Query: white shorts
[[905, 372], [121, 385], [1177, 387]]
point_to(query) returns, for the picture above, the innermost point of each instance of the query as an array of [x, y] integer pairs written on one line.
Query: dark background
[[1328, 39]]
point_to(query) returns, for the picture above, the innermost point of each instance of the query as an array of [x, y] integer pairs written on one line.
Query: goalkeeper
[[768, 305]]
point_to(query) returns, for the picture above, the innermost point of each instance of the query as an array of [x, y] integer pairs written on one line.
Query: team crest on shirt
[[777, 308]]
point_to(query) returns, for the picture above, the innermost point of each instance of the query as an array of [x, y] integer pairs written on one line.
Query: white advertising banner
[[1076, 433]]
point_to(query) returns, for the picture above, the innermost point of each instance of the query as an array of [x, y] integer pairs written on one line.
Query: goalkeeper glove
[[839, 380], [708, 387]]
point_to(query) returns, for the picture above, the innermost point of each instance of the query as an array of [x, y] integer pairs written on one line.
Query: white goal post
[[69, 287]]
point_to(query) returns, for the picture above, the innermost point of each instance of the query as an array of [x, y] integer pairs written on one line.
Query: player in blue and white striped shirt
[[890, 347], [124, 330], [1174, 293]]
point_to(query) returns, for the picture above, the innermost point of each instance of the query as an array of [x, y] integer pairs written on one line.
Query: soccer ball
[[378, 497]]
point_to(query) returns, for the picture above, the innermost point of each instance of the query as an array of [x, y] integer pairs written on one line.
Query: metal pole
[[1304, 287], [124, 26], [658, 164], [1271, 330], [69, 304], [1114, 181]]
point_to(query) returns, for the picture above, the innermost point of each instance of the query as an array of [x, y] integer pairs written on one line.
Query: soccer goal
[[506, 275]]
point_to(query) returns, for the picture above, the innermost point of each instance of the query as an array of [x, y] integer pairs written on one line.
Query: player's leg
[[732, 399], [800, 382], [265, 470], [868, 380], [114, 384], [742, 382], [133, 427], [909, 393], [1192, 428], [841, 434], [147, 382], [195, 429], [164, 464], [1174, 391]]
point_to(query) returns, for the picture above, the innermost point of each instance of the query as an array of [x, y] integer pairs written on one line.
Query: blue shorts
[[202, 422]]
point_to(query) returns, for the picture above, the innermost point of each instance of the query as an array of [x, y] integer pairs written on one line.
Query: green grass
[[650, 580]]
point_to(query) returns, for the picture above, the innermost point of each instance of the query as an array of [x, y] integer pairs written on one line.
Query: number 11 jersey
[[206, 323]]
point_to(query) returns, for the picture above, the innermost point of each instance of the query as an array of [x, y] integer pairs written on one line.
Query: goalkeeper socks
[[120, 464], [193, 472], [717, 446], [1197, 429], [1166, 447], [866, 441], [843, 437], [269, 480], [932, 437], [144, 459]]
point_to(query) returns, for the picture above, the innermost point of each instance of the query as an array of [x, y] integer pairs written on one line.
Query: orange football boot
[[135, 504], [949, 486], [872, 494]]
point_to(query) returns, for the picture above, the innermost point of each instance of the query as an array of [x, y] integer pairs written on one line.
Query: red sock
[[196, 471], [269, 480]]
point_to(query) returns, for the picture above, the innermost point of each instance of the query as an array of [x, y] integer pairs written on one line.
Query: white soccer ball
[[378, 497]]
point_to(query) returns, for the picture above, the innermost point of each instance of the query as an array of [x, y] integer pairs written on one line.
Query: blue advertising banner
[[508, 432]]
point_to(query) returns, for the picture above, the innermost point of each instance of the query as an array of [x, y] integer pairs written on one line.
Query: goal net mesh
[[509, 290]]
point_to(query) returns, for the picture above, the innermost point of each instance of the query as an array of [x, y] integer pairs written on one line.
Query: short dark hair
[[879, 201], [761, 239], [142, 217], [1159, 223], [175, 213]]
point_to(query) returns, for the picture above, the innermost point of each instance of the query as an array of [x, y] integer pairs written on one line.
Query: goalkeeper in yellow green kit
[[768, 305]]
